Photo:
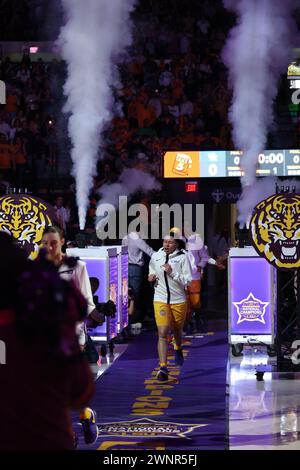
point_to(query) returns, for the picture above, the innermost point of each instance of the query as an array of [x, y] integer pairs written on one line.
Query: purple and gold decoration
[[102, 265], [124, 288], [113, 290], [251, 296], [275, 230], [25, 218]]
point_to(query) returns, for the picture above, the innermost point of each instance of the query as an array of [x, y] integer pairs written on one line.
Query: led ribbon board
[[229, 163]]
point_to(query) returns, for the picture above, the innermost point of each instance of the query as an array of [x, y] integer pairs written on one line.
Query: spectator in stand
[[105, 172], [31, 102], [16, 129], [4, 185], [145, 111], [5, 128], [147, 129], [19, 159], [166, 77], [23, 76], [175, 49], [6, 160], [185, 41], [155, 103], [123, 161], [51, 147], [165, 125], [150, 73], [174, 109], [8, 68], [186, 107], [11, 102]]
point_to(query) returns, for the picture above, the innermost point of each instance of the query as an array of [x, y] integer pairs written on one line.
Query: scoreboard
[[221, 163]]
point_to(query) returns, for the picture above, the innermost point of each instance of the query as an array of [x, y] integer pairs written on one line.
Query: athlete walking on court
[[171, 272]]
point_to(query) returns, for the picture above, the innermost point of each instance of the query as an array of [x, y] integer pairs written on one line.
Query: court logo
[[146, 427]]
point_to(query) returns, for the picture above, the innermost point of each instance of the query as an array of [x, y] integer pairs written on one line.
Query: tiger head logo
[[275, 230], [25, 218]]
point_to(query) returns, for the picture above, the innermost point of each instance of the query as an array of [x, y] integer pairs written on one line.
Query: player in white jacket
[[171, 272]]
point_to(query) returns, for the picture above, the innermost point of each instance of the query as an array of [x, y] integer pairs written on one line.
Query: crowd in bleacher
[[173, 95]]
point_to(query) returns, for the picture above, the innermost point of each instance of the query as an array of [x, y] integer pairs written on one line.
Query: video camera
[[108, 309], [102, 310]]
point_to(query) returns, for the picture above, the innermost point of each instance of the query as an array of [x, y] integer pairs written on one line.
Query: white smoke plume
[[262, 189], [130, 181], [95, 33], [257, 52]]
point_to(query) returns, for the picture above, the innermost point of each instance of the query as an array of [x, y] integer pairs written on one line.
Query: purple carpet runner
[[135, 411]]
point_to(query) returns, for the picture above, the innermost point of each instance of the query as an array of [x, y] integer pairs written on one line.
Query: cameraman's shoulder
[[80, 265]]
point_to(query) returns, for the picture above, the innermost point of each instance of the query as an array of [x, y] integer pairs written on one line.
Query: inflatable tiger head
[[25, 218], [275, 230]]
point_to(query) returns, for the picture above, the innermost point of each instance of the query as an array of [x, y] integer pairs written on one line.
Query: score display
[[221, 163]]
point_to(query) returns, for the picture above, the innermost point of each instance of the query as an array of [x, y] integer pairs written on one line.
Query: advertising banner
[[251, 294], [124, 291], [113, 294]]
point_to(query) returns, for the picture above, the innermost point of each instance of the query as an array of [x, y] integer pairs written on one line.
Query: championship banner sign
[[25, 218], [275, 230]]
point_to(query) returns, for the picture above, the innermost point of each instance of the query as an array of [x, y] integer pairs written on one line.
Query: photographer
[[38, 316]]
